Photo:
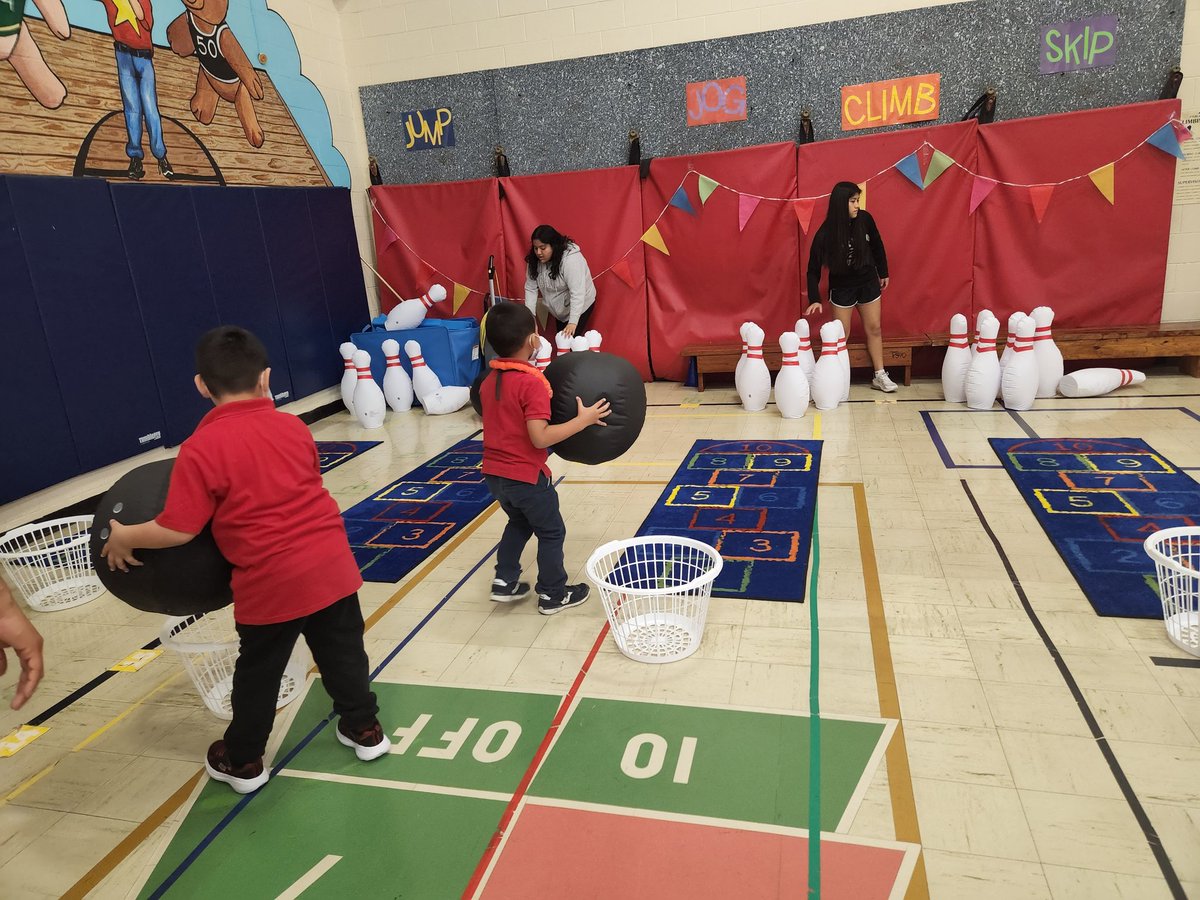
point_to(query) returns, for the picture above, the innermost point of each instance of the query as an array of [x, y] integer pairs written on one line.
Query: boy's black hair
[[230, 360], [509, 325]]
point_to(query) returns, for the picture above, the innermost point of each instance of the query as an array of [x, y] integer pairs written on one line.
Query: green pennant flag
[[707, 186], [938, 164]]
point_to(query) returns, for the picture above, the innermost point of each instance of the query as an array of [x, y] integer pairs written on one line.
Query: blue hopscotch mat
[[753, 501], [333, 453], [1098, 500], [399, 527]]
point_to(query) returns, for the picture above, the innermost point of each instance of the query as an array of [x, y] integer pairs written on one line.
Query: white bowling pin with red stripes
[[544, 354], [410, 313], [562, 343], [983, 376], [397, 386], [594, 339], [807, 360], [827, 373], [956, 361], [370, 407], [1019, 383], [1094, 382], [1045, 351], [741, 363], [844, 359], [349, 375], [424, 379], [579, 344], [791, 384], [754, 383]]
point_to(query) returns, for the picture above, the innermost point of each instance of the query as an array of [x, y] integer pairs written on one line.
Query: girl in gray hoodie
[[556, 269]]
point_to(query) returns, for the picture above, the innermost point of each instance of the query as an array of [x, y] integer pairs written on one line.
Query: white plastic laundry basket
[[208, 647], [1176, 555], [50, 563], [655, 592]]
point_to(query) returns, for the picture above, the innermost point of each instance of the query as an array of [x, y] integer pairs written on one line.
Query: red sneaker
[[244, 779]]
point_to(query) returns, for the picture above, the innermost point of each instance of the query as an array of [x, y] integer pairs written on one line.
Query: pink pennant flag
[[804, 210], [1182, 132], [746, 206], [621, 269], [1039, 195], [980, 188]]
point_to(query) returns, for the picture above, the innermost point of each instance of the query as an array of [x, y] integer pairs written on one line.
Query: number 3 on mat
[[632, 765]]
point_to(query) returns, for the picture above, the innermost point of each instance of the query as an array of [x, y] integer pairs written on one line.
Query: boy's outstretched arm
[[543, 434], [124, 539], [18, 634]]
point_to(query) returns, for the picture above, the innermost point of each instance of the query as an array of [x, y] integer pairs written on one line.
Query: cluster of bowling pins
[[410, 313], [565, 343], [1031, 365], [824, 381], [368, 402]]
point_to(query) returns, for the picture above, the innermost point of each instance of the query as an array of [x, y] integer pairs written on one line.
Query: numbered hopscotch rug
[[399, 527], [331, 454], [753, 501], [1098, 500]]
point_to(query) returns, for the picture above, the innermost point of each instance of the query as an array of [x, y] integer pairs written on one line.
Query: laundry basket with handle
[[1176, 555], [50, 564]]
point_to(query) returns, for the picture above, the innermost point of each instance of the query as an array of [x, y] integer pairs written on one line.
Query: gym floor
[[987, 734]]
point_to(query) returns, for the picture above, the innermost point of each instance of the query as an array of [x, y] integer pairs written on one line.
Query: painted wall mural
[[196, 91]]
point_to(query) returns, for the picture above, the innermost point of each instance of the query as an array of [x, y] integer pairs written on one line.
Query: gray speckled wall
[[576, 114]]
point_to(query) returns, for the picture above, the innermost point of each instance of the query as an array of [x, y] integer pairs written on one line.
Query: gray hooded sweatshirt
[[568, 296]]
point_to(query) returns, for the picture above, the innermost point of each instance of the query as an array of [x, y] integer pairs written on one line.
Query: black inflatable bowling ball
[[475, 386], [178, 581], [592, 376]]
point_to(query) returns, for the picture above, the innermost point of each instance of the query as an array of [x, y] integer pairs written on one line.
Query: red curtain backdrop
[[927, 234], [454, 226], [716, 278], [601, 210], [1094, 263]]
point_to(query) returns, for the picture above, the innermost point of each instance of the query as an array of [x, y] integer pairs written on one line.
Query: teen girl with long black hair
[[556, 269]]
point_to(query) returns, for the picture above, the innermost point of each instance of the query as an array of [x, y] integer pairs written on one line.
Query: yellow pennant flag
[[707, 186], [862, 195], [655, 240], [461, 292], [1102, 178]]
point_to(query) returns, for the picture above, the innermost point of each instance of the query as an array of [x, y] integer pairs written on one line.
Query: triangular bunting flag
[[707, 186], [1167, 141], [681, 201], [747, 204], [980, 188], [1182, 132], [461, 292], [862, 195], [389, 237], [1102, 178], [1039, 195], [938, 163], [804, 211], [910, 168], [655, 240], [621, 269]]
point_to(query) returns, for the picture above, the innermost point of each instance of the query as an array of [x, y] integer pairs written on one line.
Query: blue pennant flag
[[681, 201], [1166, 141], [910, 168]]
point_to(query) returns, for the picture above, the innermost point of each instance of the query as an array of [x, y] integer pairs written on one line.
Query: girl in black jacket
[[848, 243]]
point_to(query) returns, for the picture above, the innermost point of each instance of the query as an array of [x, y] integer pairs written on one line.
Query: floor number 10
[[632, 765]]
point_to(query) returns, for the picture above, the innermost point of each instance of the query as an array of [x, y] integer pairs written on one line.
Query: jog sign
[[913, 99], [721, 100], [1086, 44]]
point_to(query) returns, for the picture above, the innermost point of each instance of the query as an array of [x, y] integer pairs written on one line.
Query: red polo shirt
[[507, 449], [254, 472]]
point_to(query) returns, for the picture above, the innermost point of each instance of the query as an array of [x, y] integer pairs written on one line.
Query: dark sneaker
[[136, 169], [508, 591], [164, 169], [244, 779], [573, 596], [369, 743]]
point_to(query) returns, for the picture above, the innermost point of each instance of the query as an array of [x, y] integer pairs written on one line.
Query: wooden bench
[[1171, 339], [713, 359]]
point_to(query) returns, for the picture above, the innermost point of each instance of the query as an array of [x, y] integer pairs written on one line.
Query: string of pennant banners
[[1168, 138]]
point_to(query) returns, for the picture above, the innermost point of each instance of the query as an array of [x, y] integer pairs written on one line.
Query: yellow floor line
[[816, 426]]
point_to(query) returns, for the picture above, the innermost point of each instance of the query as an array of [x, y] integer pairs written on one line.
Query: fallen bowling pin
[[1095, 382], [446, 400], [410, 313]]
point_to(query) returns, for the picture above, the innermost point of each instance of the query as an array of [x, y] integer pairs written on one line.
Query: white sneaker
[[882, 382]]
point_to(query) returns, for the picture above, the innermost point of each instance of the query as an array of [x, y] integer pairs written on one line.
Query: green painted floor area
[[724, 763], [392, 843], [455, 737]]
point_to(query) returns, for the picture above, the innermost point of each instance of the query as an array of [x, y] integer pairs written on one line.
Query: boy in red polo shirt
[[515, 398], [254, 472]]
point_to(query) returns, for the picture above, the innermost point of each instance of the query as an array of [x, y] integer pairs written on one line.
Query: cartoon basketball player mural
[[225, 72], [18, 47]]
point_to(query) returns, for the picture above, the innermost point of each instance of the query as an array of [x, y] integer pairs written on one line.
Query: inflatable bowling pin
[[562, 343], [369, 404], [791, 384], [594, 340], [424, 379], [844, 359], [956, 361], [579, 343], [983, 375], [544, 354], [983, 316], [1045, 351], [1019, 383], [445, 400], [410, 313], [349, 375], [397, 386], [807, 360], [827, 373], [1094, 382], [741, 363], [754, 383]]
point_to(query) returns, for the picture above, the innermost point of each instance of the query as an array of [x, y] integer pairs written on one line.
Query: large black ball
[[592, 376], [179, 581]]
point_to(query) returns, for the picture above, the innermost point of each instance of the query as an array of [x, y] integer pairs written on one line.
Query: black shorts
[[856, 294]]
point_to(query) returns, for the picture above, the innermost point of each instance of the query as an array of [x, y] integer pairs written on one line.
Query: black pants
[[532, 509], [582, 324], [335, 637]]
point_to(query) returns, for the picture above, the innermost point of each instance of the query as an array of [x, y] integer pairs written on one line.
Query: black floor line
[[80, 692], [1029, 432], [1135, 805], [1175, 662], [894, 399]]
